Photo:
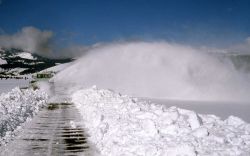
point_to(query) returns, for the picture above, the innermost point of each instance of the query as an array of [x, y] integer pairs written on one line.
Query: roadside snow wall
[[16, 107], [120, 125]]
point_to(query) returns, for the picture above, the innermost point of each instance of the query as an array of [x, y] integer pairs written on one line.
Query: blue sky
[[202, 22]]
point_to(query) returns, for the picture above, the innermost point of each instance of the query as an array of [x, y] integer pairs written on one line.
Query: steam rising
[[158, 70], [29, 39]]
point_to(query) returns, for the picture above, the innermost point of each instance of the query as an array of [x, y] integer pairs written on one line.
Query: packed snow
[[26, 55], [121, 125], [17, 107]]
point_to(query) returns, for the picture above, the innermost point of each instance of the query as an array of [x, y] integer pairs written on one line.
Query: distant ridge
[[17, 63]]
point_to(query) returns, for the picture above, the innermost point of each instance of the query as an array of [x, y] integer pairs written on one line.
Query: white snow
[[26, 55], [17, 107], [16, 71], [2, 61], [121, 125]]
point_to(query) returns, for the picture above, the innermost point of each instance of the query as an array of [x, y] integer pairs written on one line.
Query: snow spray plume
[[158, 70]]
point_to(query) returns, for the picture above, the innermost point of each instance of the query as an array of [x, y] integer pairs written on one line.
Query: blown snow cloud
[[159, 70], [30, 39]]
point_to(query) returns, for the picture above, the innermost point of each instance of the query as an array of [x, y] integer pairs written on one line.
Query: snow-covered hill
[[18, 63]]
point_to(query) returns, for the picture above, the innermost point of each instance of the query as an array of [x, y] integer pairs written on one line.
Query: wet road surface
[[55, 131]]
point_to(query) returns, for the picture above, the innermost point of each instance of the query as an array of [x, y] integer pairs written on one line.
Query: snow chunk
[[200, 132], [182, 150], [234, 121], [193, 118]]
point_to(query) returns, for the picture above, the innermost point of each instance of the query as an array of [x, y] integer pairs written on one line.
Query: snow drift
[[120, 125], [158, 70], [16, 107]]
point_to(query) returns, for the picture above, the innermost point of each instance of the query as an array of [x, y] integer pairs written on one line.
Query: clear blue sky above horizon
[[205, 22]]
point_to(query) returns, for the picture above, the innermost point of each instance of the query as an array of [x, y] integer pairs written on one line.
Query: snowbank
[[16, 107], [120, 125]]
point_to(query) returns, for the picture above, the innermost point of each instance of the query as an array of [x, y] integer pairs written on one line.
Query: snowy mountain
[[17, 63]]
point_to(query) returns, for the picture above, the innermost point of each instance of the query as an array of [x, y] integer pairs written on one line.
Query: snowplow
[[43, 75]]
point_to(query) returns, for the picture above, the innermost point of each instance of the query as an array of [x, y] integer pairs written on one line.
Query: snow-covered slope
[[120, 125], [58, 67], [16, 63], [2, 61], [26, 55], [16, 107]]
